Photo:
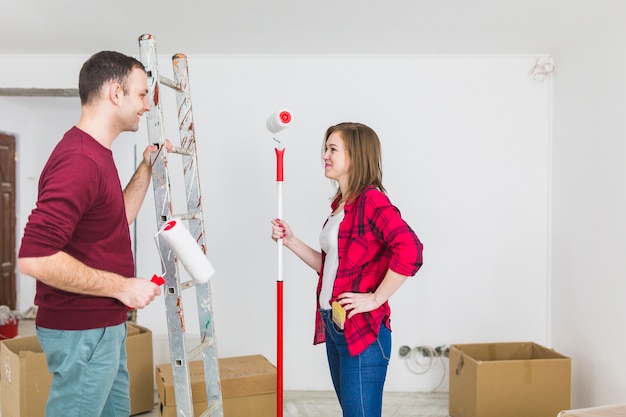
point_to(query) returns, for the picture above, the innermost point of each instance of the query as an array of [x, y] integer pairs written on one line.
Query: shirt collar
[[350, 203]]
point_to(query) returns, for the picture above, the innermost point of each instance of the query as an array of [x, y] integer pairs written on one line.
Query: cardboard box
[[519, 379], [25, 380], [140, 368], [248, 386], [618, 410]]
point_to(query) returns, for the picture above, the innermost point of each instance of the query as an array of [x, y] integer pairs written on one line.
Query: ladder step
[[187, 284], [206, 343], [191, 215], [169, 83], [181, 151], [213, 407]]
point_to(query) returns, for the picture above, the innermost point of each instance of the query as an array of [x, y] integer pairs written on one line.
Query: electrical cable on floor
[[412, 360]]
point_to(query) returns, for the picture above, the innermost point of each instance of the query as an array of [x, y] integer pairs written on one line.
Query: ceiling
[[81, 27]]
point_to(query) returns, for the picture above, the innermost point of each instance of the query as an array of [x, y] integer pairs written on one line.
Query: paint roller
[[275, 123], [187, 250], [278, 121]]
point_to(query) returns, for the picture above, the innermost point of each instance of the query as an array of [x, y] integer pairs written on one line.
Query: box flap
[[508, 351], [132, 329], [21, 345]]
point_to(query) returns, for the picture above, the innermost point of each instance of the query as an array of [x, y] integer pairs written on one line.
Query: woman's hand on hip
[[355, 303]]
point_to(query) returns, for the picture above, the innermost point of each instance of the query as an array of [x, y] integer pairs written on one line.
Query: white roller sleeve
[[187, 251], [278, 121]]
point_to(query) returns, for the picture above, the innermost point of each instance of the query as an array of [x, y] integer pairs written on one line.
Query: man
[[77, 245]]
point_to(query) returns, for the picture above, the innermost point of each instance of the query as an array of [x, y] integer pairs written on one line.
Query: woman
[[367, 252]]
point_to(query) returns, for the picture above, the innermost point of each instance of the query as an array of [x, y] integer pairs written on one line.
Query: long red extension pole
[[279, 289]]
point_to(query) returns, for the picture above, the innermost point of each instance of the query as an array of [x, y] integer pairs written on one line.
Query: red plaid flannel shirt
[[373, 238]]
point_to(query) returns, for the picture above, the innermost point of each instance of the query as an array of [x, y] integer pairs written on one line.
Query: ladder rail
[[191, 175]]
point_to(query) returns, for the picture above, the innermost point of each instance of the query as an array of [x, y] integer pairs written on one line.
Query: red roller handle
[[157, 280], [279, 164]]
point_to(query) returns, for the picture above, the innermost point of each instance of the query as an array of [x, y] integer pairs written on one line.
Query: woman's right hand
[[281, 230]]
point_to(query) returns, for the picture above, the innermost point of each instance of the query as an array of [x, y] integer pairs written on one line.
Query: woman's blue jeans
[[358, 380]]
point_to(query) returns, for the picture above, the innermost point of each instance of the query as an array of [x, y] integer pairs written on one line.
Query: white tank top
[[329, 244]]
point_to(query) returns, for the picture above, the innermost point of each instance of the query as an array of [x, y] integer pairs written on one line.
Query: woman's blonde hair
[[363, 148]]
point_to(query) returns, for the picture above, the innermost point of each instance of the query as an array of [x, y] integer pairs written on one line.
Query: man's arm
[[135, 191], [65, 272]]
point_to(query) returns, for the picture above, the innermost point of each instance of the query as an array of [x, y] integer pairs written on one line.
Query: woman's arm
[[355, 303], [311, 257]]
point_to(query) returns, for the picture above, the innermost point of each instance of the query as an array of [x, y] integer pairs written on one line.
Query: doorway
[[8, 291]]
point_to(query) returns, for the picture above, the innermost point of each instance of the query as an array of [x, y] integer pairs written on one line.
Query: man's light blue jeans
[[89, 373]]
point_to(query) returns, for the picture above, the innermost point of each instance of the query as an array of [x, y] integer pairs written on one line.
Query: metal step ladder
[[173, 287]]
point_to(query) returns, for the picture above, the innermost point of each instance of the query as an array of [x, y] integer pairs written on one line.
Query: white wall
[[589, 239], [466, 148]]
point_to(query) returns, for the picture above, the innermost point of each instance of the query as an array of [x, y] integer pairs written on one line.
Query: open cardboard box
[[25, 380], [518, 379], [248, 385]]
